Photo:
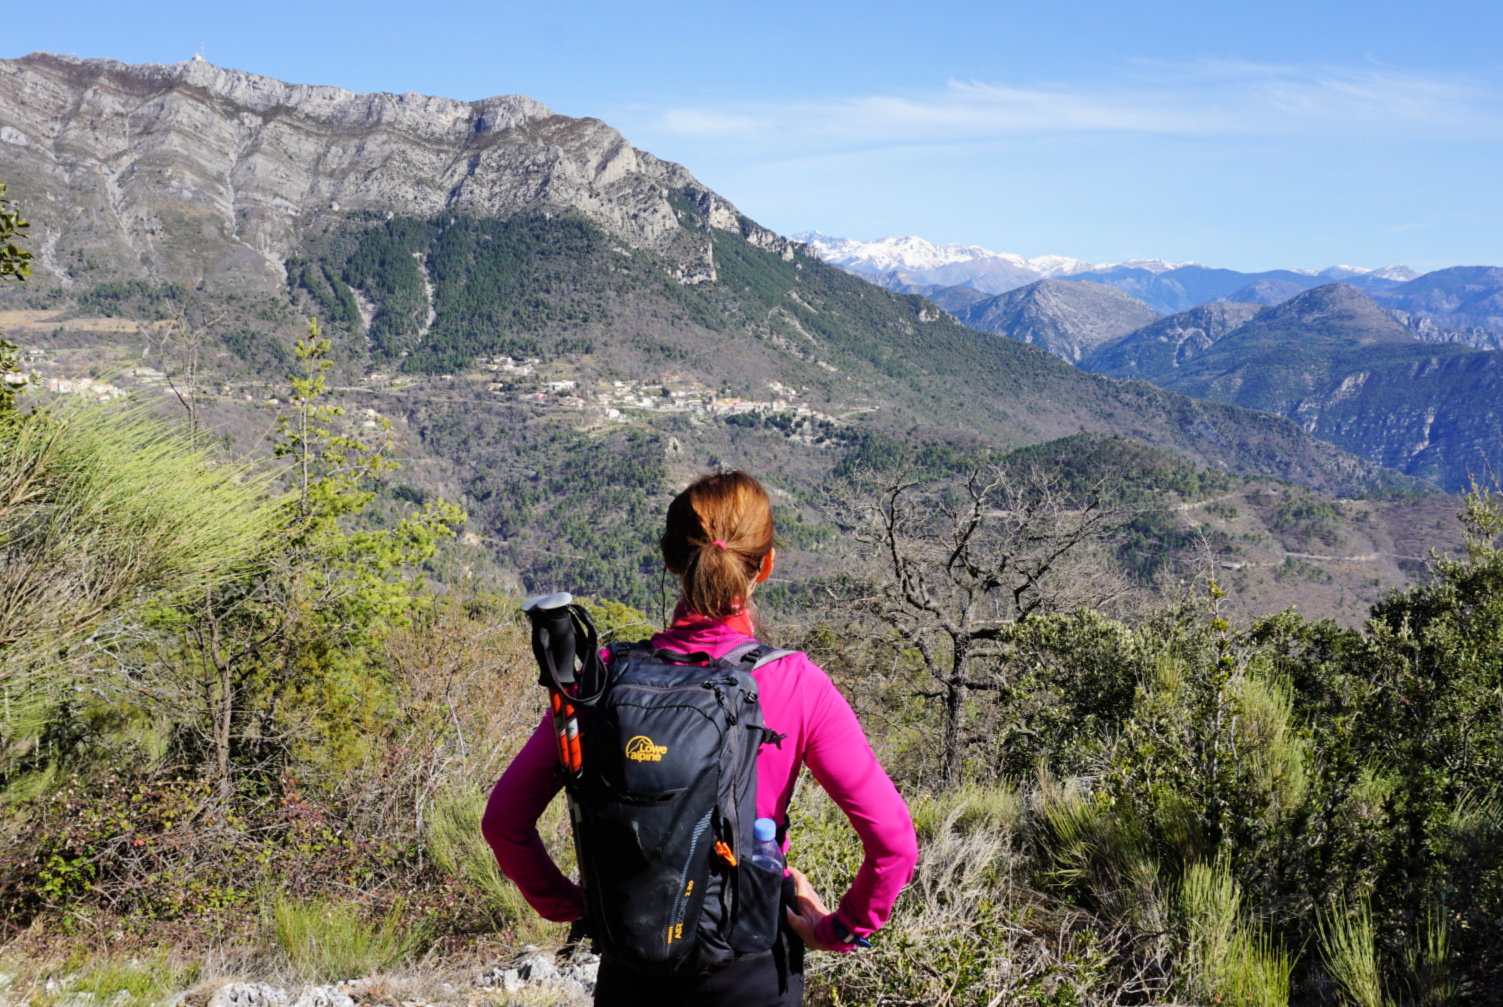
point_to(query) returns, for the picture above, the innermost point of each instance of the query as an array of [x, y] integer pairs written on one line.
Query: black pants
[[746, 982]]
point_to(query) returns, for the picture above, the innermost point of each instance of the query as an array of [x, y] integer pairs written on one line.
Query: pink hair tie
[[719, 543]]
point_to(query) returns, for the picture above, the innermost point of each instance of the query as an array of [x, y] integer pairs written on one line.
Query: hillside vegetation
[[1154, 805]]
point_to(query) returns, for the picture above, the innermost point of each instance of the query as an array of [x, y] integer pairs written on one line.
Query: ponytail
[[719, 530]]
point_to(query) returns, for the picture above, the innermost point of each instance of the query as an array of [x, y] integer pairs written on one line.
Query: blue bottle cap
[[765, 829]]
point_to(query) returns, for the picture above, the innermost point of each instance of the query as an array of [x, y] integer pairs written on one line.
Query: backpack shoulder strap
[[638, 650], [752, 655], [749, 657]]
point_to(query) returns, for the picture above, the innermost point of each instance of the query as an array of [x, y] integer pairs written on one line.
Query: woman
[[719, 543]]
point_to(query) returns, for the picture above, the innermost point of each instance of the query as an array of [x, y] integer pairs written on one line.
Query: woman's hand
[[806, 912]]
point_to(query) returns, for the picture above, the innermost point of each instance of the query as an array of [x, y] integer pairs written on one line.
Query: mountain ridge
[[1069, 320], [192, 173]]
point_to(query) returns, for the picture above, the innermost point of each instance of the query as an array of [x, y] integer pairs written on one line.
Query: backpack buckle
[[724, 850]]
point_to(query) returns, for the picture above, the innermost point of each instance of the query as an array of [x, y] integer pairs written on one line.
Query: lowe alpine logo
[[641, 749]]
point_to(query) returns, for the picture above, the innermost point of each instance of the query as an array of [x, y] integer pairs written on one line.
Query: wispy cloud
[[1206, 98]]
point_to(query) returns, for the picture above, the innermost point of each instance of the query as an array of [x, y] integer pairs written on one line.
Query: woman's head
[[719, 540]]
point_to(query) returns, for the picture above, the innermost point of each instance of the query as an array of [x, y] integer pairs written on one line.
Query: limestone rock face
[[198, 174]]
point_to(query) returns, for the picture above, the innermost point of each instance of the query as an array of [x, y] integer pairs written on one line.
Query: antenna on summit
[[198, 57]]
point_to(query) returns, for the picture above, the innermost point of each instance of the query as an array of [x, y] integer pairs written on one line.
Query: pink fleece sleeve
[[842, 760], [510, 826]]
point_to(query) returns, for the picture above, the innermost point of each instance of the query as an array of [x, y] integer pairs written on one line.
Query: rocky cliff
[[201, 175]]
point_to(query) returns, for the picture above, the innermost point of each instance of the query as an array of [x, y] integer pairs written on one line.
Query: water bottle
[[766, 853]]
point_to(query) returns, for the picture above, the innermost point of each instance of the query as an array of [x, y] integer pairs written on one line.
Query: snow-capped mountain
[[912, 264], [913, 255], [919, 262]]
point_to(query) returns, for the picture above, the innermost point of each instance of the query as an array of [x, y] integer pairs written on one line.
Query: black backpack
[[663, 810]]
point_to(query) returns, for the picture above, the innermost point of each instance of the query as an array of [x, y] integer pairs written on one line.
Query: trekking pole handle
[[552, 637]]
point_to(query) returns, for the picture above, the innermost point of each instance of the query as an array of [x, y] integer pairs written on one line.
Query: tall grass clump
[[1088, 847], [1349, 947], [1227, 959], [100, 506], [457, 846], [325, 939]]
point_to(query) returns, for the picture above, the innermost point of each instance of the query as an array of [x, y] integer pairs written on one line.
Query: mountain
[[1068, 320], [1265, 292], [1159, 348], [1459, 298], [195, 174], [1369, 279], [910, 260], [561, 327], [1334, 361], [1184, 286], [952, 299]]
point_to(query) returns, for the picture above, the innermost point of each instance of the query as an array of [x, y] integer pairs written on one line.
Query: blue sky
[[1252, 136]]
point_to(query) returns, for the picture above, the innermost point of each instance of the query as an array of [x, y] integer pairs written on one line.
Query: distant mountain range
[[1372, 372], [909, 263]]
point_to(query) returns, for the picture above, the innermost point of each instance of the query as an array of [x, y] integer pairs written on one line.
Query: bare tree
[[953, 563], [179, 347]]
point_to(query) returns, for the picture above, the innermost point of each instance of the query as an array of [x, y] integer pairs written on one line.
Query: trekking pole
[[553, 646], [556, 621], [562, 631]]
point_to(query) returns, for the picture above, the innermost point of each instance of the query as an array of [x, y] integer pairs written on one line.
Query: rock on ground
[[570, 983]]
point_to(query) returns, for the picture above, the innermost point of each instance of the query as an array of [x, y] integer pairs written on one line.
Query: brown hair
[[718, 532]]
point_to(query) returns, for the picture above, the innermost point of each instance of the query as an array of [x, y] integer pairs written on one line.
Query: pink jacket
[[799, 700]]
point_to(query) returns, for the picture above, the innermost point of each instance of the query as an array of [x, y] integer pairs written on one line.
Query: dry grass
[[969, 931]]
